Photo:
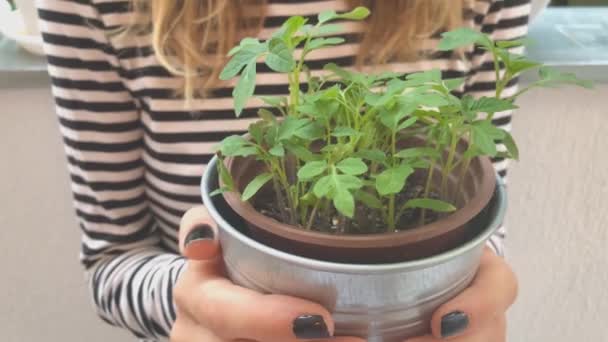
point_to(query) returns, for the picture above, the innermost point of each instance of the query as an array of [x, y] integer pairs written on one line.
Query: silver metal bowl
[[380, 302]]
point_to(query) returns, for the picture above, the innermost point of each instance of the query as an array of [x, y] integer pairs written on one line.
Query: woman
[[140, 111]]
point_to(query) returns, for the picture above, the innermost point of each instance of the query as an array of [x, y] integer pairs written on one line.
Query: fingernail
[[200, 232], [454, 323], [308, 327]]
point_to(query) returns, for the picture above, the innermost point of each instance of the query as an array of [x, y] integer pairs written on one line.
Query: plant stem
[[391, 199], [448, 166], [280, 199], [313, 214]]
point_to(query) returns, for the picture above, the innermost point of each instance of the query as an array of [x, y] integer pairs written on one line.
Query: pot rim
[[379, 240], [328, 266]]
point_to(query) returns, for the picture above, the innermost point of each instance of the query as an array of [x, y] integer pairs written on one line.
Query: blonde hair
[[191, 38]]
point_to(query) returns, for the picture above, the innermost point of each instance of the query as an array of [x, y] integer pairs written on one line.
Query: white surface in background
[[21, 25]]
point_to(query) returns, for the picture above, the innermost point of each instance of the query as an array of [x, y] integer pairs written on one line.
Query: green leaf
[[266, 115], [419, 78], [256, 130], [374, 155], [454, 83], [518, 64], [300, 151], [225, 176], [550, 77], [236, 146], [237, 63], [311, 131], [359, 13], [326, 16], [323, 187], [255, 185], [289, 126], [508, 44], [428, 203], [461, 37], [483, 141], [392, 181], [371, 201], [416, 152], [511, 146], [244, 88], [328, 29], [219, 191], [290, 27], [321, 42], [275, 101], [248, 44], [344, 202], [277, 151], [342, 131], [311, 170], [407, 123], [352, 166], [280, 57], [492, 105]]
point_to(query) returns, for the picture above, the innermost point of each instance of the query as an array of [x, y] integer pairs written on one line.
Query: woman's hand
[[478, 313], [212, 309]]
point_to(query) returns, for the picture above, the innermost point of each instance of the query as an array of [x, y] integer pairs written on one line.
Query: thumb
[[198, 235]]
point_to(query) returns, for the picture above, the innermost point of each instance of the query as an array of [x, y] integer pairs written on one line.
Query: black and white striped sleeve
[[503, 20], [130, 275]]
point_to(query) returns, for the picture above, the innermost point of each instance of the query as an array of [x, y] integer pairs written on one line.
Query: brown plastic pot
[[417, 243]]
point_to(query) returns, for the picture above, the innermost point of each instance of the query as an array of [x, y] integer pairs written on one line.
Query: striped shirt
[[135, 156]]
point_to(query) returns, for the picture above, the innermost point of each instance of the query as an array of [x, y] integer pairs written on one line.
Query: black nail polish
[[454, 323], [308, 327], [200, 232]]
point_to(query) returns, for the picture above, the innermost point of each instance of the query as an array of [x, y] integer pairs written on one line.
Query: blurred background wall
[[558, 220]]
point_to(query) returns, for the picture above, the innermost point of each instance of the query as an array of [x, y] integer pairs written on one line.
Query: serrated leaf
[[280, 57], [312, 169], [352, 166], [256, 130], [454, 83], [300, 151], [255, 185], [431, 76], [392, 181], [236, 64], [508, 44], [277, 151], [518, 64], [416, 152], [483, 141], [310, 132], [236, 146], [266, 115], [244, 88], [492, 105], [511, 146], [431, 204], [551, 77], [461, 37], [344, 202], [275, 101], [289, 127], [225, 176]]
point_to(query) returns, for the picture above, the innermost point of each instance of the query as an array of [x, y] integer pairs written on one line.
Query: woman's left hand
[[478, 314]]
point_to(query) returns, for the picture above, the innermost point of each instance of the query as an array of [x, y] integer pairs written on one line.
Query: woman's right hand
[[210, 308]]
